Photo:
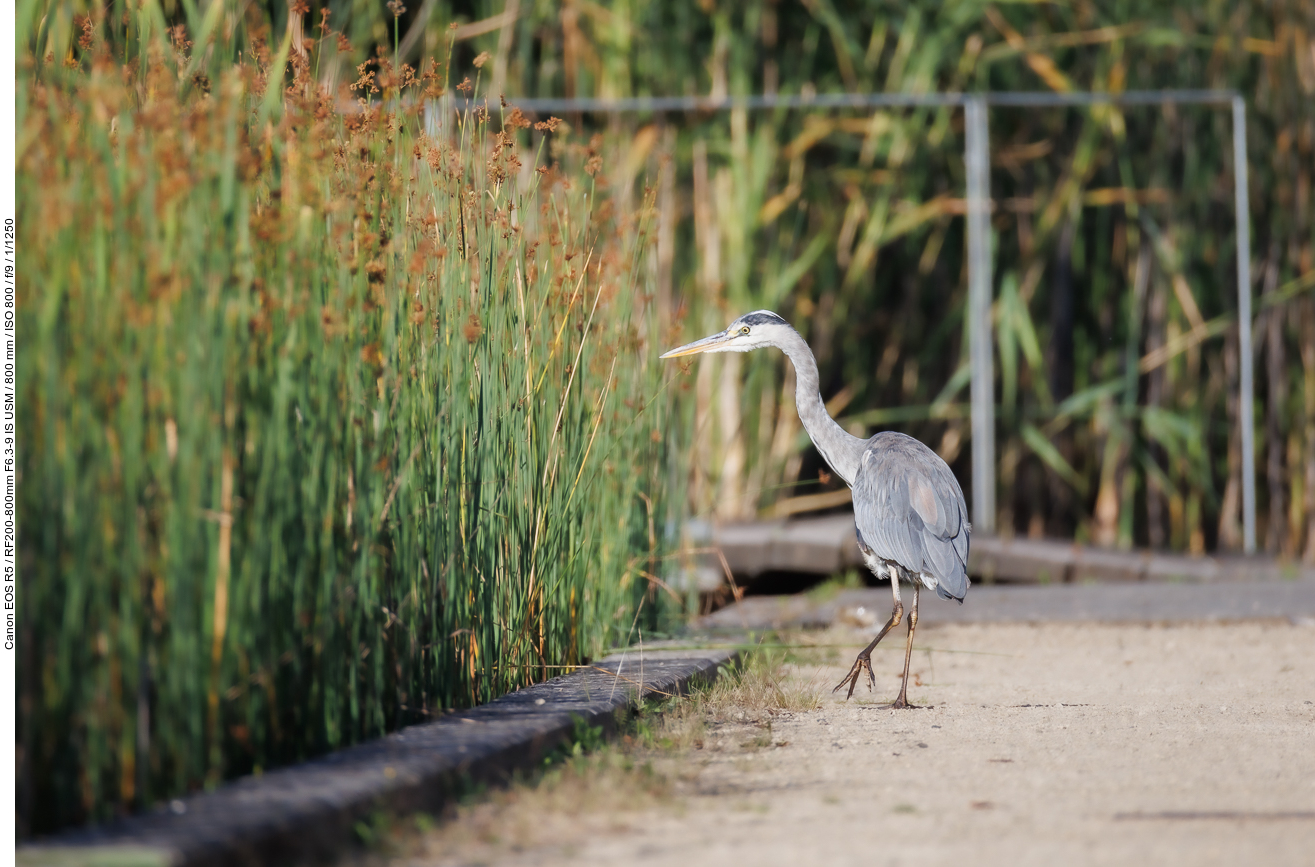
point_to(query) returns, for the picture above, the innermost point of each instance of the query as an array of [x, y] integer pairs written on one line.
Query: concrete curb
[[308, 812]]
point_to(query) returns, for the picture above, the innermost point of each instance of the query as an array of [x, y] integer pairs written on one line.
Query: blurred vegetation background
[[1115, 309], [338, 415]]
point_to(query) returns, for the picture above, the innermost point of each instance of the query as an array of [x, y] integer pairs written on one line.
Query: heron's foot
[[903, 703], [863, 663]]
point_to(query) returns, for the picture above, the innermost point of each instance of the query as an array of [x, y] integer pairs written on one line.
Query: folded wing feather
[[909, 509]]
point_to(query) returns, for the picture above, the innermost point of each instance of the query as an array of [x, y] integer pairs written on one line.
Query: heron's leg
[[864, 661], [903, 700]]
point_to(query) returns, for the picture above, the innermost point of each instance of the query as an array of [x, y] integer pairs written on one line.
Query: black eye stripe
[[763, 318]]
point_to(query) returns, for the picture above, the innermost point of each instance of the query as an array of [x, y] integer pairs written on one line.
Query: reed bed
[[335, 415]]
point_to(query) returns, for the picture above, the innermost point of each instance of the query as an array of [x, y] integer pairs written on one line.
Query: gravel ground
[[1041, 744]]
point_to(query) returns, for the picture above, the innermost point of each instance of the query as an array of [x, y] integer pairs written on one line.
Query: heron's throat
[[840, 449]]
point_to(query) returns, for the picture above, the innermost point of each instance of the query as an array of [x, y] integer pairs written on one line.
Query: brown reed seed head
[[88, 28], [518, 120], [472, 329]]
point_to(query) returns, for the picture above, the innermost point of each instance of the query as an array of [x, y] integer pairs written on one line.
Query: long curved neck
[[840, 449]]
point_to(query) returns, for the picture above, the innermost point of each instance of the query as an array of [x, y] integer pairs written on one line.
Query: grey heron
[[910, 517]]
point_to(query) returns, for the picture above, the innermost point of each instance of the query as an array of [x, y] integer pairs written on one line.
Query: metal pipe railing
[[977, 162]]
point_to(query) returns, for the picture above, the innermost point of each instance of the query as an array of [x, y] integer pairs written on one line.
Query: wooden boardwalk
[[1187, 602], [825, 545]]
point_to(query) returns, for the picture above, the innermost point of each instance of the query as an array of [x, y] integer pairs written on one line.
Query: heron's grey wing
[[882, 511], [908, 507]]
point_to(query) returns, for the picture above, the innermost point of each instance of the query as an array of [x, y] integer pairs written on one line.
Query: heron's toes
[[847, 679], [860, 665], [902, 703]]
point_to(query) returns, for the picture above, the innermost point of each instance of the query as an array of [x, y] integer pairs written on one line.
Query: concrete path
[[1043, 744]]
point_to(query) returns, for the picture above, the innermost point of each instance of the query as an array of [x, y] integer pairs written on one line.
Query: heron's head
[[751, 331]]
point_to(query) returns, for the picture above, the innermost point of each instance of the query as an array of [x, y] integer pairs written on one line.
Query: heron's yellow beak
[[698, 346]]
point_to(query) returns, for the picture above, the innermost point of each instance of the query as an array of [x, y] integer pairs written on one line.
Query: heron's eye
[[744, 329]]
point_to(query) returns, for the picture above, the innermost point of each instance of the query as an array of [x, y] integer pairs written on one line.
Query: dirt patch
[[1075, 744]]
